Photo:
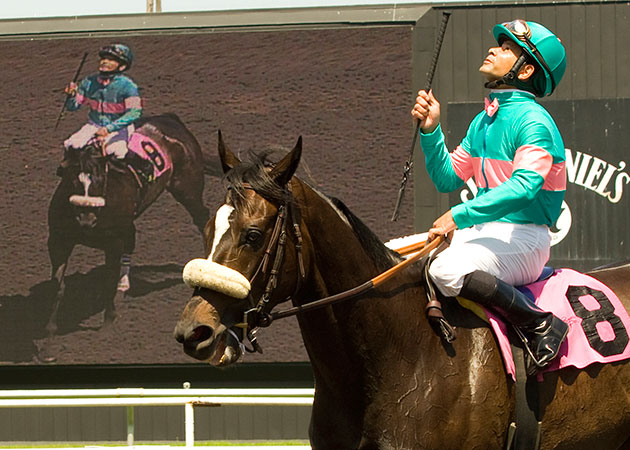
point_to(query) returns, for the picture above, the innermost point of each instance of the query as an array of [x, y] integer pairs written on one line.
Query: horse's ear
[[228, 159], [286, 167]]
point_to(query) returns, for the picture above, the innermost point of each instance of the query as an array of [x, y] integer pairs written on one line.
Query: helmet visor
[[519, 28]]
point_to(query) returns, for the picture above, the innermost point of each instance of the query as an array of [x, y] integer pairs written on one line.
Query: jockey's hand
[[427, 111], [101, 132], [71, 89], [442, 226]]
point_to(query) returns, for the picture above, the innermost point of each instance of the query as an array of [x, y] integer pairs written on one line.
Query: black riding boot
[[141, 165], [544, 331]]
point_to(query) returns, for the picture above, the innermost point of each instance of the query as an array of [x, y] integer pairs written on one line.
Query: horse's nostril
[[200, 334]]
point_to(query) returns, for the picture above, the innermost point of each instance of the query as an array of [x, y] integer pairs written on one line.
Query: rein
[[368, 285], [258, 316]]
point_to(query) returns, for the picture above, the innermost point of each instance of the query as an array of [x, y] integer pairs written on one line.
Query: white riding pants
[[115, 142], [514, 253]]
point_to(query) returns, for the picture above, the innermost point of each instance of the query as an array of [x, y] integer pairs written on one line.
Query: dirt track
[[346, 91]]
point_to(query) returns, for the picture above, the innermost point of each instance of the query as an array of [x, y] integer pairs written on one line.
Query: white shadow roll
[[204, 273]]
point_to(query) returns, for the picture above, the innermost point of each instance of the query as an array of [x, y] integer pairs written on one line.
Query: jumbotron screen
[[345, 90]]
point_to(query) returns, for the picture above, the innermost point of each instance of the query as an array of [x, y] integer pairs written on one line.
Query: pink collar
[[491, 107]]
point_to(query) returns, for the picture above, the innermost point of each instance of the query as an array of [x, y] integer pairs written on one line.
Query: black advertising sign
[[592, 229]]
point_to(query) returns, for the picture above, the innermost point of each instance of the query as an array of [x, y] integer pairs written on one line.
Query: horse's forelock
[[254, 174], [90, 154]]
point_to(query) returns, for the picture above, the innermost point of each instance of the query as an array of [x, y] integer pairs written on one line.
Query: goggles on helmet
[[520, 29]]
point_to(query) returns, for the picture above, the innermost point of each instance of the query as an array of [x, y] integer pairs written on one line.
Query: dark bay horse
[[111, 198], [383, 378]]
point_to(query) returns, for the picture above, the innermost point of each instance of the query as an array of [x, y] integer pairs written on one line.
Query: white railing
[[131, 397]]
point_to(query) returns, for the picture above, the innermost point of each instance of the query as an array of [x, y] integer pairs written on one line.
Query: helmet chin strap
[[508, 78]]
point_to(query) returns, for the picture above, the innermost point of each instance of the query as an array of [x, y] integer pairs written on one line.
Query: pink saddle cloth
[[598, 322], [147, 148]]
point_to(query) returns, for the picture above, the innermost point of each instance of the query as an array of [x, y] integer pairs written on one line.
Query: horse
[[384, 379], [98, 199]]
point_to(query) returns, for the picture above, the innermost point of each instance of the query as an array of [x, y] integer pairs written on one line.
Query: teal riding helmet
[[119, 52], [542, 46]]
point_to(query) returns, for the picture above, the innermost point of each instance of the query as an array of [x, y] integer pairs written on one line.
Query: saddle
[[147, 157]]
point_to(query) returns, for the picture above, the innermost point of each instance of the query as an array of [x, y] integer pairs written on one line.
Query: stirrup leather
[[433, 311]]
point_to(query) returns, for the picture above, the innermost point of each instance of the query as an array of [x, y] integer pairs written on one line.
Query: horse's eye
[[253, 237]]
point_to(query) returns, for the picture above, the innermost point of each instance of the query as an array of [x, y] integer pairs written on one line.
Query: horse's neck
[[349, 341], [336, 248]]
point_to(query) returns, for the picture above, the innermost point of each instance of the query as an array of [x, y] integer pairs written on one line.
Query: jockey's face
[[500, 60], [108, 65]]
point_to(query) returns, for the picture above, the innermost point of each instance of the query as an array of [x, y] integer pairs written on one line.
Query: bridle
[[260, 314]]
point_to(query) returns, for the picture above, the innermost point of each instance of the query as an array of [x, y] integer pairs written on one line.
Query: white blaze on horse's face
[[86, 180], [221, 226]]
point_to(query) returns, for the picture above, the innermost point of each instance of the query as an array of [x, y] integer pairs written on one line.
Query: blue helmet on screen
[[119, 52]]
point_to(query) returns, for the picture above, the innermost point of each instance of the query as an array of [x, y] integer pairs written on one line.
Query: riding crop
[[76, 77], [409, 163]]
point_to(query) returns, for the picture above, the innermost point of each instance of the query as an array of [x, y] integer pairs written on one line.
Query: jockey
[[114, 105], [515, 154]]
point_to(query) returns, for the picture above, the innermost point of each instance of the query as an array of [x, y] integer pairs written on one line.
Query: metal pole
[[141, 392], [151, 401], [189, 417], [130, 425]]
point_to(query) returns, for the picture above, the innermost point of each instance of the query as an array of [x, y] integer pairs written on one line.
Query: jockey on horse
[[114, 102], [515, 153]]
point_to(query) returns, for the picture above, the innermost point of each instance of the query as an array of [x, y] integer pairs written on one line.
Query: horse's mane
[[253, 174], [383, 257], [86, 157]]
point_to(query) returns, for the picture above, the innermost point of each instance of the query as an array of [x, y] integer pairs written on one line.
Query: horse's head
[[254, 259], [85, 174]]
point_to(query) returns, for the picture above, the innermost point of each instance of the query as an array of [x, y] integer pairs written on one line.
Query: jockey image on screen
[[515, 154], [114, 105]]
